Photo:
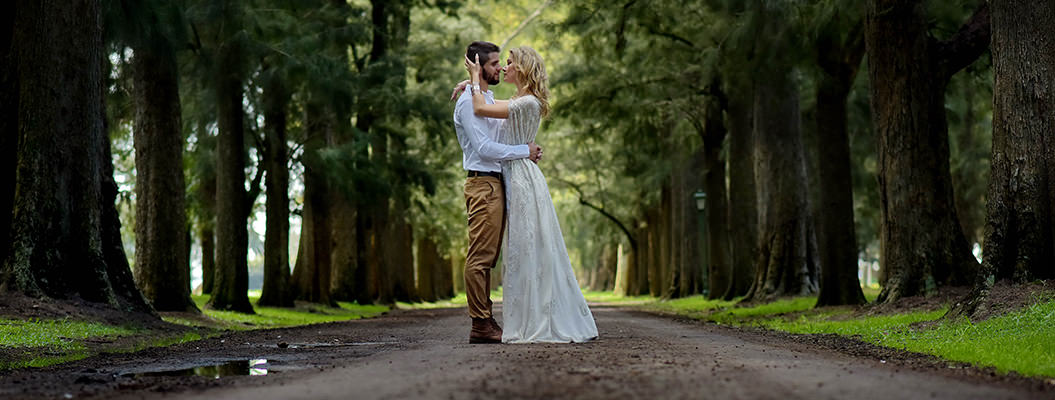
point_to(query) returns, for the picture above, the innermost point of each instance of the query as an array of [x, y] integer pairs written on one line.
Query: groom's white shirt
[[478, 137]]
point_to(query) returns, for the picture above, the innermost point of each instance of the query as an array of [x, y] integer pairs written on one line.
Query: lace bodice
[[523, 122]]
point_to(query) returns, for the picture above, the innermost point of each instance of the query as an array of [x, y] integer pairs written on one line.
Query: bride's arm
[[500, 109]]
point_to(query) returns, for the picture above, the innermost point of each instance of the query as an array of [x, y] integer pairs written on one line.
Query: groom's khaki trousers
[[485, 206]]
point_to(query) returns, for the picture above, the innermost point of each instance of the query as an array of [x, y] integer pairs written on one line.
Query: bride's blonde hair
[[532, 75]]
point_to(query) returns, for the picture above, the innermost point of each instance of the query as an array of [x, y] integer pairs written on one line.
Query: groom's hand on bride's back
[[536, 152]]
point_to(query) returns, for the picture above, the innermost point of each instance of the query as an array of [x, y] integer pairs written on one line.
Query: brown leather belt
[[473, 174]]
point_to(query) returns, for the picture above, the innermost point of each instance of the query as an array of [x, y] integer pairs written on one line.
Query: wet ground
[[425, 354]]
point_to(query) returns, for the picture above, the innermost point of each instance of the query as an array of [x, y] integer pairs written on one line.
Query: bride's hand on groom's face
[[473, 67]]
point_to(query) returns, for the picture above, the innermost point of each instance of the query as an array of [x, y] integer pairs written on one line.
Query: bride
[[541, 301]]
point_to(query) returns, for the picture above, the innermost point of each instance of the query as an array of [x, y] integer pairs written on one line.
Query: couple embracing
[[506, 194]]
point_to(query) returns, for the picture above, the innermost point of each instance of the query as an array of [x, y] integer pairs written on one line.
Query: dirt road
[[424, 354]]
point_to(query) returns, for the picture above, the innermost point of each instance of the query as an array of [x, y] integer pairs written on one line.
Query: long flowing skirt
[[541, 300]]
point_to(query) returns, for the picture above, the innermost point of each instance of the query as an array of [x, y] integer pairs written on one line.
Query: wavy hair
[[532, 75]]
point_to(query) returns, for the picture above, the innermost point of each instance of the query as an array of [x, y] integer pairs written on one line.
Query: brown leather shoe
[[495, 325], [484, 332]]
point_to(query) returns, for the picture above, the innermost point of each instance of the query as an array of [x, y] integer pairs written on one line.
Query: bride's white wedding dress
[[541, 301]]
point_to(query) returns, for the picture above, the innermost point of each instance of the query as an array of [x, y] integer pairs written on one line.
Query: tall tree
[[276, 291], [311, 273], [1020, 220], [205, 197], [838, 58], [743, 211], [65, 235], [232, 237], [8, 119], [162, 267], [714, 132], [326, 260], [922, 245], [786, 263]]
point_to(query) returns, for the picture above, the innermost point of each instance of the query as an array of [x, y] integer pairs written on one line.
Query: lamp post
[[701, 214]]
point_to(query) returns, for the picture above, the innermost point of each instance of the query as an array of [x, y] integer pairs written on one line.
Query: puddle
[[231, 368], [335, 344]]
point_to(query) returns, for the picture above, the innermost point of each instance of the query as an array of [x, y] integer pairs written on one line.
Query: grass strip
[[59, 334], [277, 317], [1021, 341], [40, 343]]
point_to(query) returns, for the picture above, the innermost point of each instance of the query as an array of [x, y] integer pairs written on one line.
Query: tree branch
[[967, 44], [605, 213], [672, 36], [525, 22]]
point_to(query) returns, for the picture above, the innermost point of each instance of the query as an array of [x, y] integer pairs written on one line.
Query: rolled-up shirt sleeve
[[485, 147]]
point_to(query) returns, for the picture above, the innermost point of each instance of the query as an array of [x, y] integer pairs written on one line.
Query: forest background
[[836, 143]]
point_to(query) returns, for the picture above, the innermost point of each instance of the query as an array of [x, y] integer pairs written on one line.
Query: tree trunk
[[638, 270], [428, 263], [162, 269], [345, 253], [276, 291], [311, 275], [623, 270], [400, 253], [606, 270], [677, 274], [1019, 236], [666, 273], [655, 252], [597, 277], [720, 270], [837, 243], [921, 243], [443, 278], [232, 237], [207, 231], [457, 273], [8, 120], [743, 213], [65, 235], [964, 177], [784, 262]]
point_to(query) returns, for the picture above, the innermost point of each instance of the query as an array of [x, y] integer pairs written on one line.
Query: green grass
[[276, 317], [49, 342], [56, 334], [1022, 341], [876, 329], [698, 307], [778, 307], [40, 343], [610, 298]]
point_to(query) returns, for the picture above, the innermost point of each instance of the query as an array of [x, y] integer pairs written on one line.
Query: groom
[[484, 194]]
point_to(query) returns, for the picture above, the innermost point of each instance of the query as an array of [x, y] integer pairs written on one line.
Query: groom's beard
[[492, 79]]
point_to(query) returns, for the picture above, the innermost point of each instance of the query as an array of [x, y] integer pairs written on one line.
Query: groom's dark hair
[[484, 49]]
